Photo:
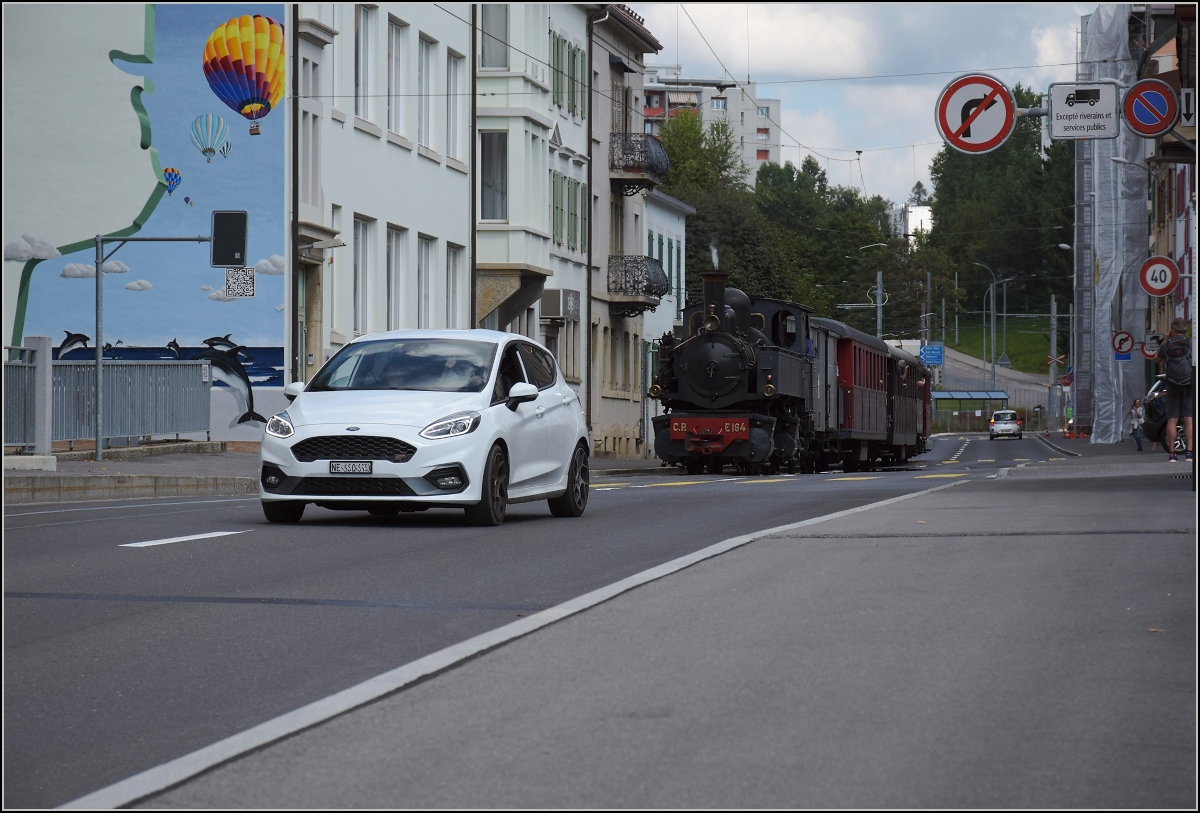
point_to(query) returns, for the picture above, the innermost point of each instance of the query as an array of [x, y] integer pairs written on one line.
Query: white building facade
[[381, 179], [755, 122]]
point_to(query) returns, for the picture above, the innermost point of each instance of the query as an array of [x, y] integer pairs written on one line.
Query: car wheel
[[1180, 440], [283, 511], [491, 508], [991, 437], [574, 500], [1019, 435]]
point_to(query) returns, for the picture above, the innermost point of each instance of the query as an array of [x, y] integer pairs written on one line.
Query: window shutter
[[670, 263], [650, 243], [584, 206]]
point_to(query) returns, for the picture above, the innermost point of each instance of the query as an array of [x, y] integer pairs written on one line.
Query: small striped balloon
[[226, 148]]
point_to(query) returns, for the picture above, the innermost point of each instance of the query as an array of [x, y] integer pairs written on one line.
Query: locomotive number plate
[[727, 428], [350, 466]]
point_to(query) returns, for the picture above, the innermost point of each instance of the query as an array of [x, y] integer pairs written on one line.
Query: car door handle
[[568, 399], [540, 411]]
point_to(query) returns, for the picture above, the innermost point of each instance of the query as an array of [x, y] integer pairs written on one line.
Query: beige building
[[624, 282]]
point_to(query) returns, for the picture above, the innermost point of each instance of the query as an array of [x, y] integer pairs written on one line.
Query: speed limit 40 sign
[[1159, 276]]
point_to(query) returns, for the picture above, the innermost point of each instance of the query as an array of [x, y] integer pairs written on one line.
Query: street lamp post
[[878, 294]]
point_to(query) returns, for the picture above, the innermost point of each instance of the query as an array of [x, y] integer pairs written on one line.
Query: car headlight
[[280, 426], [463, 423]]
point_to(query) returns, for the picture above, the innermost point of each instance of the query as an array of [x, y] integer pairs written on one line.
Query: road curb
[[134, 452], [22, 490], [1058, 448]]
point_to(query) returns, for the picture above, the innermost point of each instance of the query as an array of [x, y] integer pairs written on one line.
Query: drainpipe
[[297, 351], [593, 20], [474, 159]]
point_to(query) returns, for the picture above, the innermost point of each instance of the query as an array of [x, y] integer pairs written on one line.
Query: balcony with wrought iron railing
[[636, 161], [635, 284]]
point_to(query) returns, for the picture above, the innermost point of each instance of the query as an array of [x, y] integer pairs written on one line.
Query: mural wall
[[151, 117]]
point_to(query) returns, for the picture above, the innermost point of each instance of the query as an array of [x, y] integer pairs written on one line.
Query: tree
[[919, 196]]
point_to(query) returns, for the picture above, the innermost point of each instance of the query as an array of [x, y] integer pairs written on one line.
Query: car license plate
[[350, 466]]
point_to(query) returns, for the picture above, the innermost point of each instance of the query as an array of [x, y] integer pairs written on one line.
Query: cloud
[[30, 247], [273, 265], [138, 285], [206, 287], [220, 296], [88, 270]]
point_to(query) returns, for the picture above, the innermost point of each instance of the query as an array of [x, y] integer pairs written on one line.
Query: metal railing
[[638, 154], [142, 397], [639, 276]]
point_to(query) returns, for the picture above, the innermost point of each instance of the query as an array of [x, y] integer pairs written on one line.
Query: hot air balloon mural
[[189, 201], [209, 133], [226, 148], [173, 179], [244, 64]]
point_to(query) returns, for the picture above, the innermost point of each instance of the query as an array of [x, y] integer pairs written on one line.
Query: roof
[[635, 24], [972, 395]]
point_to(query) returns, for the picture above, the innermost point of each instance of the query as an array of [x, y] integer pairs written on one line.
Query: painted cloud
[[272, 265], [138, 285], [220, 296], [30, 247], [88, 270]]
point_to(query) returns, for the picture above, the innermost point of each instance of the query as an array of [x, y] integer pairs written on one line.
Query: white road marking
[[180, 539], [187, 766], [120, 507]]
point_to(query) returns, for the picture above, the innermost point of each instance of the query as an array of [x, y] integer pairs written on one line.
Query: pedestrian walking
[[1137, 417], [1175, 356]]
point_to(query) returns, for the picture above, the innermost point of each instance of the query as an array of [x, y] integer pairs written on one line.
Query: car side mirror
[[292, 390], [520, 393]]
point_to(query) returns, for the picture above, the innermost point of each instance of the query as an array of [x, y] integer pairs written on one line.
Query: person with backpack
[[1175, 355]]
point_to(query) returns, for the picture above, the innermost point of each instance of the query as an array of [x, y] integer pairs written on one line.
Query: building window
[[572, 213], [362, 272], [764, 133], [364, 38], [495, 35], [764, 112], [395, 277], [454, 72], [396, 34], [454, 265], [585, 203], [424, 282], [493, 175], [670, 260], [425, 72], [309, 160], [763, 155], [717, 103]]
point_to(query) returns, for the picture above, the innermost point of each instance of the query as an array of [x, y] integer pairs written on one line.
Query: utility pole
[[928, 318], [1052, 399], [879, 304]]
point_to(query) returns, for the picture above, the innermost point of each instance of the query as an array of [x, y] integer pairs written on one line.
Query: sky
[[156, 292], [815, 58]]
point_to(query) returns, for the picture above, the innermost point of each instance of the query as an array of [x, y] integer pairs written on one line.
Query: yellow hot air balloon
[[245, 65]]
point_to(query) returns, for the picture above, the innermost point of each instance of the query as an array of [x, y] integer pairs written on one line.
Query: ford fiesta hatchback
[[1004, 423], [411, 420]]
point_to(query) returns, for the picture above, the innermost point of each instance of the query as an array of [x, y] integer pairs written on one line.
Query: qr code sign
[[239, 282]]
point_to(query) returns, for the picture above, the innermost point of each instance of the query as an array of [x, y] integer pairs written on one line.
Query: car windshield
[[427, 365]]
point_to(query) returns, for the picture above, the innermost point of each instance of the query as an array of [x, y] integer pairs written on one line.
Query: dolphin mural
[[227, 369], [224, 343], [174, 347], [72, 341]]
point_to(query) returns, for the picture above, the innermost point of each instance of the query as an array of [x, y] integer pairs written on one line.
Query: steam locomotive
[[765, 386]]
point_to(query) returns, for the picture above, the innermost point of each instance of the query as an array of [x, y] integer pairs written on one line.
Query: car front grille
[[352, 447], [352, 487]]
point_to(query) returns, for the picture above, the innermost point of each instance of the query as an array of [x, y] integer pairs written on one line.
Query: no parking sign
[[1151, 108]]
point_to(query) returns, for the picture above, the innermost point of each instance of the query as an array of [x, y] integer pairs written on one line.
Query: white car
[[410, 420], [1004, 423]]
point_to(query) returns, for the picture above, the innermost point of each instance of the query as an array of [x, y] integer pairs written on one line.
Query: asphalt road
[[120, 658]]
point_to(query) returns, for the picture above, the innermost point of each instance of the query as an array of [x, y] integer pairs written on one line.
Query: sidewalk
[[184, 469], [993, 643]]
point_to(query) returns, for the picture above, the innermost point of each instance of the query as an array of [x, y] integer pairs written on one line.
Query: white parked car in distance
[[411, 420], [1004, 423]]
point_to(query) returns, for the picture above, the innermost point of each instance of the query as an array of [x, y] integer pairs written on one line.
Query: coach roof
[[847, 332]]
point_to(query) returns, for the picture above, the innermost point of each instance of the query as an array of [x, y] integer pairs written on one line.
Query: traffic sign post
[[1150, 108], [1158, 276], [1084, 110], [975, 113]]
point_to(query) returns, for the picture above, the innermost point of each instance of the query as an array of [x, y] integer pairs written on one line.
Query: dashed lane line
[[173, 539], [832, 479], [932, 476]]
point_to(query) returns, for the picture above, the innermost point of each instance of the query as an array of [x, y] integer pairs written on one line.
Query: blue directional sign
[[932, 355]]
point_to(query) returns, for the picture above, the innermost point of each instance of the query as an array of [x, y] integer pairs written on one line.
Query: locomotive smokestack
[[714, 292]]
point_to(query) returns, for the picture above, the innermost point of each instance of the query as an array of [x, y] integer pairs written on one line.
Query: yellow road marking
[[1020, 459], [777, 480], [986, 460], [832, 479], [1057, 458], [931, 476], [680, 483]]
